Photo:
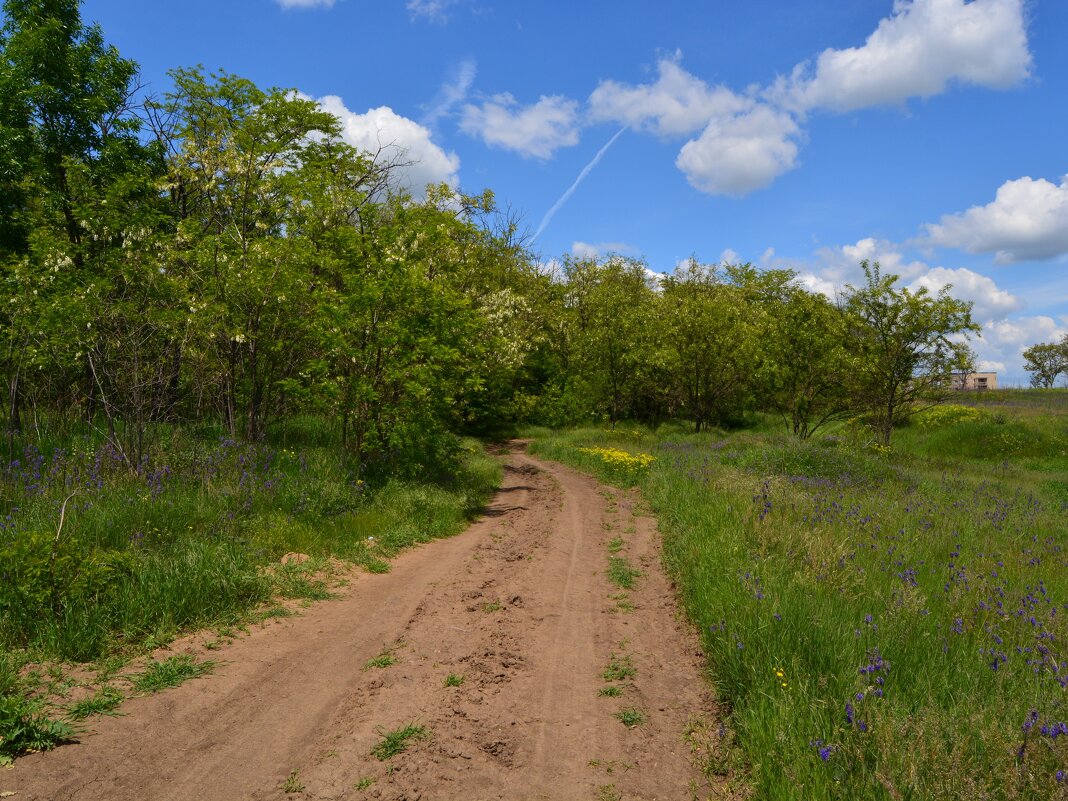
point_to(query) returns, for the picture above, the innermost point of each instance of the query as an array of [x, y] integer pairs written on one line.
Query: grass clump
[[620, 668], [383, 660], [610, 691], [622, 573], [293, 784], [630, 717], [364, 783], [171, 672], [103, 702], [397, 741], [454, 680]]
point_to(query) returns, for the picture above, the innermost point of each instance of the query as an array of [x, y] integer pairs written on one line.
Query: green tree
[[905, 346], [806, 373], [1046, 362]]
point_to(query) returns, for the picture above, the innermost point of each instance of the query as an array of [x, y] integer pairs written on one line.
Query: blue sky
[[928, 134]]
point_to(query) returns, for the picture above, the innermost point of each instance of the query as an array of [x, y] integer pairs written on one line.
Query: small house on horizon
[[975, 381]]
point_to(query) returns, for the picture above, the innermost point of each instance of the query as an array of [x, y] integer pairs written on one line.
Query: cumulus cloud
[[738, 154], [396, 138], [676, 104], [593, 250], [537, 130], [1028, 219], [922, 47], [305, 3], [989, 301]]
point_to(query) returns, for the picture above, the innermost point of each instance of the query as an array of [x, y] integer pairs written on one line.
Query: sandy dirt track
[[519, 605]]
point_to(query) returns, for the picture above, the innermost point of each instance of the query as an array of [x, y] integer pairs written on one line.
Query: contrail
[[571, 190]]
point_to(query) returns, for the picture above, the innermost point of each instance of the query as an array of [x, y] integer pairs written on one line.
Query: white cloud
[[738, 154], [305, 3], [729, 256], [989, 301], [918, 50], [1027, 219], [429, 10], [399, 139], [677, 104], [1002, 343], [537, 130], [593, 250], [452, 92]]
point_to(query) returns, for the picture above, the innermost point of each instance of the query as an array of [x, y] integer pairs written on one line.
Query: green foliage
[[825, 573], [622, 573], [1046, 362], [103, 702], [170, 672], [397, 741], [454, 680], [619, 668], [630, 717]]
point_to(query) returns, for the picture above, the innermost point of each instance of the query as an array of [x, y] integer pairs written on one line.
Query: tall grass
[[915, 603], [190, 537]]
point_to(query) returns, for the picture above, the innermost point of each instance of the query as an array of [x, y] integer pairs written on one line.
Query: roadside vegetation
[[883, 623]]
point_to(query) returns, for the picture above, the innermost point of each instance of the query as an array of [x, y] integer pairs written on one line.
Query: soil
[[519, 606]]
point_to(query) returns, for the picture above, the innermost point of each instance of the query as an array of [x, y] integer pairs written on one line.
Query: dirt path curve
[[519, 605]]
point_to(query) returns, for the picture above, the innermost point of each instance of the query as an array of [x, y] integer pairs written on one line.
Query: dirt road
[[519, 606]]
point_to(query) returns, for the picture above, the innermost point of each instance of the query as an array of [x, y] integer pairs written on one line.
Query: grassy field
[[881, 624], [190, 539]]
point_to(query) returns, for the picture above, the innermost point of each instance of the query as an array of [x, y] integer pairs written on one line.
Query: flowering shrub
[[947, 415], [620, 464]]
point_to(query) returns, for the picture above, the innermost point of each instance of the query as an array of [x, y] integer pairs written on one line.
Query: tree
[[1046, 362], [806, 375], [904, 347]]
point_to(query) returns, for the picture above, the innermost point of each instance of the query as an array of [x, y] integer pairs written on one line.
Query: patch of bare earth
[[519, 606]]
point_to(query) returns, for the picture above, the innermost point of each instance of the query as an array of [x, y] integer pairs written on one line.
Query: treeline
[[220, 255]]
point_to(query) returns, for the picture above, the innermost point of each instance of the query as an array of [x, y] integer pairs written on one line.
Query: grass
[[630, 717], [293, 784], [880, 625], [103, 702], [620, 668], [383, 660], [397, 741], [192, 539], [491, 607], [170, 672], [615, 545], [363, 783], [610, 691], [622, 573], [454, 680]]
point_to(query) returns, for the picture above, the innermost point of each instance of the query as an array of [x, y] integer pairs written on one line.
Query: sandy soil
[[519, 605]]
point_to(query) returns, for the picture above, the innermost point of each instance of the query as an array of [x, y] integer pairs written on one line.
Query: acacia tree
[[904, 347], [1046, 362], [806, 374]]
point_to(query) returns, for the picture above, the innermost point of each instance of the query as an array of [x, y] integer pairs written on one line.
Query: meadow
[[101, 564], [880, 623]]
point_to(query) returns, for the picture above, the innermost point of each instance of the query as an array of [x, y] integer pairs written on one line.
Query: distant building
[[973, 381]]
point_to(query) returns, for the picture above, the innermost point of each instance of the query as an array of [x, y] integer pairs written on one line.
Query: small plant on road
[[103, 702], [293, 784], [619, 668], [615, 545], [621, 572], [383, 660], [396, 742], [454, 680], [170, 672], [609, 692], [631, 717], [364, 783]]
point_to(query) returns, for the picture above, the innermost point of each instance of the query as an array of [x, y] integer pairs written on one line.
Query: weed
[[608, 792], [383, 660], [396, 742], [103, 702], [610, 691], [24, 727], [615, 545], [619, 668], [454, 680], [293, 784], [375, 565], [621, 572], [623, 602], [170, 672], [275, 611], [630, 717], [494, 606], [364, 783]]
